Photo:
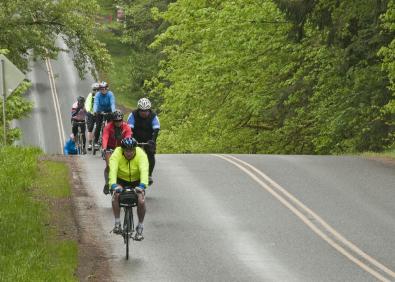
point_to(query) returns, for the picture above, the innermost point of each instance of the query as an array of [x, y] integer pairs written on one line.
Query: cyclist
[[113, 133], [104, 102], [70, 148], [89, 113], [78, 115], [129, 167], [145, 125]]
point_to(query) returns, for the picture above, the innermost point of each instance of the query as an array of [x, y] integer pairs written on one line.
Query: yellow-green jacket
[[135, 169], [89, 103]]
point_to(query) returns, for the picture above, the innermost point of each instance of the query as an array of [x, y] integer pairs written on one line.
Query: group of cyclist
[[127, 165]]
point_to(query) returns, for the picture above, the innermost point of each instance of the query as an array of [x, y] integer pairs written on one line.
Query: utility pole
[[4, 96]]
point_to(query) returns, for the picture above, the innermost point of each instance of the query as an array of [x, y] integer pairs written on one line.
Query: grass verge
[[31, 247], [389, 155]]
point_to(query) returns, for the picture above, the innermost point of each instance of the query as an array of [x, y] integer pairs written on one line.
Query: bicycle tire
[[126, 228], [80, 143]]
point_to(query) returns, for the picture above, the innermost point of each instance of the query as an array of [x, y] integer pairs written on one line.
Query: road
[[55, 86], [208, 220], [238, 217]]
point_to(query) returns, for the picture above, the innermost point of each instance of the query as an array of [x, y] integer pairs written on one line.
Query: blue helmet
[[128, 143]]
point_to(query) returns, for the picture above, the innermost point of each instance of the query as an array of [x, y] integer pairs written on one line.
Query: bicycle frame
[[79, 139]]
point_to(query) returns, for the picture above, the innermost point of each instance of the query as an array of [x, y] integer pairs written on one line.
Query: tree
[[32, 27], [275, 76]]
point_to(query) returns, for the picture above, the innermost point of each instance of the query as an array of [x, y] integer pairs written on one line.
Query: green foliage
[[32, 27], [29, 249], [16, 107], [276, 76], [140, 29]]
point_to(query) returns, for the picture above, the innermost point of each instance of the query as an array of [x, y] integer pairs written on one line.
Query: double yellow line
[[55, 100], [314, 222]]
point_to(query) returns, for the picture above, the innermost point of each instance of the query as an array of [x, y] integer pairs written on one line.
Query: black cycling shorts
[[125, 183], [90, 121]]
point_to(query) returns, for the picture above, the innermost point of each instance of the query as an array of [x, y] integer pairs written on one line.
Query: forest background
[[293, 77], [288, 77]]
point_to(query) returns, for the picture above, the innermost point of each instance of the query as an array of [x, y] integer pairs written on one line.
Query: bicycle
[[106, 117], [79, 140], [127, 200]]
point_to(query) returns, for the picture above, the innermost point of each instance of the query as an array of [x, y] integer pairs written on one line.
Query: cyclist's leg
[[115, 206], [83, 129], [74, 130], [106, 172], [151, 161], [115, 202], [90, 125], [99, 120], [141, 207]]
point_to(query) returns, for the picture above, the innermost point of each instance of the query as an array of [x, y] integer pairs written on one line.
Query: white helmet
[[144, 104], [95, 86], [103, 85]]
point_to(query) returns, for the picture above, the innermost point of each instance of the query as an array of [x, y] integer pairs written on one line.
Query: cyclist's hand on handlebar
[[116, 188], [151, 143], [140, 188]]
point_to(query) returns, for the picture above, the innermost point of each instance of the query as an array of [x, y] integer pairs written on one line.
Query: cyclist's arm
[[112, 101], [143, 166], [127, 132], [88, 103], [95, 104], [106, 135], [131, 120], [155, 123], [113, 164]]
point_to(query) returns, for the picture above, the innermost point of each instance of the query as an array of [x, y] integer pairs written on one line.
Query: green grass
[[29, 247], [53, 180], [387, 154]]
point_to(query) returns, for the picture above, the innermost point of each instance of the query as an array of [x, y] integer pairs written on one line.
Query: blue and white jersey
[[104, 103], [155, 122]]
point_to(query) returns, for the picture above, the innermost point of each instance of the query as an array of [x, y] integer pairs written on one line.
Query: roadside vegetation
[[304, 77], [34, 245], [30, 30], [127, 41], [390, 154]]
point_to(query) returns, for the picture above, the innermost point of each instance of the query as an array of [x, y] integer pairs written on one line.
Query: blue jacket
[[70, 148], [104, 103]]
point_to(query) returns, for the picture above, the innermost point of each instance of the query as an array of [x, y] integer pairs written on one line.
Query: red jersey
[[109, 139]]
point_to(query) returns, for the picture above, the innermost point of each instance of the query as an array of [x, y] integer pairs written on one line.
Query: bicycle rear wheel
[[80, 143]]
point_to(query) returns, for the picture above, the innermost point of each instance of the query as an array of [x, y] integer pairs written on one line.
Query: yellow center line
[[56, 104], [308, 222]]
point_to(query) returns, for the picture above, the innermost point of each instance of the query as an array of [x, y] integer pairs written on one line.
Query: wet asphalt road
[[210, 220], [207, 220]]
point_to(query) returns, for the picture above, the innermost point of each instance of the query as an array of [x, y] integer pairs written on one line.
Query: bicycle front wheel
[[127, 230]]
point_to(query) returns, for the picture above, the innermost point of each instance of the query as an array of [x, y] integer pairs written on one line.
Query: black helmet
[[128, 143], [117, 115], [80, 100]]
